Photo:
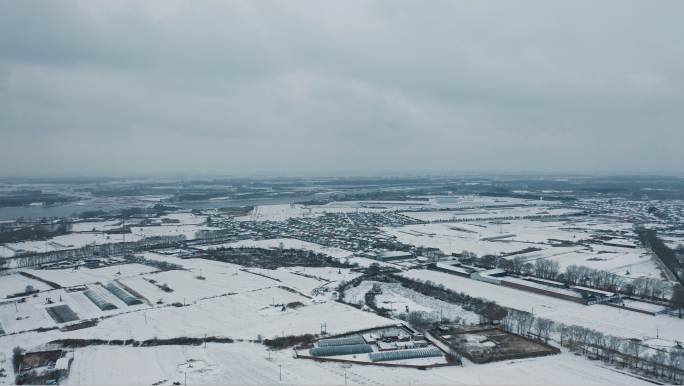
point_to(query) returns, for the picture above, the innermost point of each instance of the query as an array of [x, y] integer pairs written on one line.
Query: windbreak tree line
[[574, 275], [649, 238], [35, 232], [89, 251]]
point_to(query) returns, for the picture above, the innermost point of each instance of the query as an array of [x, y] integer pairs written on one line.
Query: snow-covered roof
[[62, 364]]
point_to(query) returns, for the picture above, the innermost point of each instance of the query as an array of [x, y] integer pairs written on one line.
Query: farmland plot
[[15, 283], [69, 278], [606, 319], [248, 363]]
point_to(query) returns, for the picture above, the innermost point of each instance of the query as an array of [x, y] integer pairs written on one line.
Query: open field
[[248, 363], [599, 317], [16, 283]]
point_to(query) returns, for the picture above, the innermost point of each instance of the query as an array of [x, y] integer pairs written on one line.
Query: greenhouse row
[[99, 300], [404, 354], [122, 294], [356, 339], [340, 350]]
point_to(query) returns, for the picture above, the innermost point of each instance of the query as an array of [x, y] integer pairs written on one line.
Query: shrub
[[280, 342], [16, 358]]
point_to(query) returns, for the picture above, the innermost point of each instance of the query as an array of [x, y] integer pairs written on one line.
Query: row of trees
[[669, 257], [662, 363], [88, 251], [465, 218], [35, 232], [215, 236], [606, 347], [488, 311], [161, 265], [574, 274]]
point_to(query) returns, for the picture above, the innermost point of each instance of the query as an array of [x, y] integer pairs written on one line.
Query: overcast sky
[[237, 87]]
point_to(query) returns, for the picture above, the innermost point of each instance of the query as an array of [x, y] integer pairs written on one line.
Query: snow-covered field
[[70, 277], [249, 363], [472, 214], [470, 236], [397, 299], [606, 319], [16, 283], [241, 316], [19, 317]]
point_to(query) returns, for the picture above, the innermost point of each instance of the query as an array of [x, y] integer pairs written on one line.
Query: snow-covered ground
[[20, 317], [472, 214], [471, 236], [16, 283], [70, 277], [606, 319], [397, 298], [249, 363]]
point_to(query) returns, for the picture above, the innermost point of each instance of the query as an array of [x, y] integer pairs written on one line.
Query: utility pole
[[145, 317], [281, 372]]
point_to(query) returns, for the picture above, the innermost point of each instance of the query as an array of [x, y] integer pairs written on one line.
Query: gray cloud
[[348, 86]]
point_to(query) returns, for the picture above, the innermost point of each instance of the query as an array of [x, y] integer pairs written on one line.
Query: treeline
[[31, 258], [488, 311], [528, 196], [126, 212], [27, 197], [507, 217], [609, 348], [215, 236], [573, 275], [35, 232], [662, 363], [161, 265], [379, 196], [272, 259], [90, 214], [649, 238]]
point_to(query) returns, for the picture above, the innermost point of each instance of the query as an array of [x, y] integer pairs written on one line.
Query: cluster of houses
[[349, 231]]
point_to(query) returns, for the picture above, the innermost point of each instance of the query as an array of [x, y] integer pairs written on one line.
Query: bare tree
[[658, 360], [634, 349], [543, 328], [598, 340], [518, 263], [677, 300], [613, 344], [563, 330], [675, 361]]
